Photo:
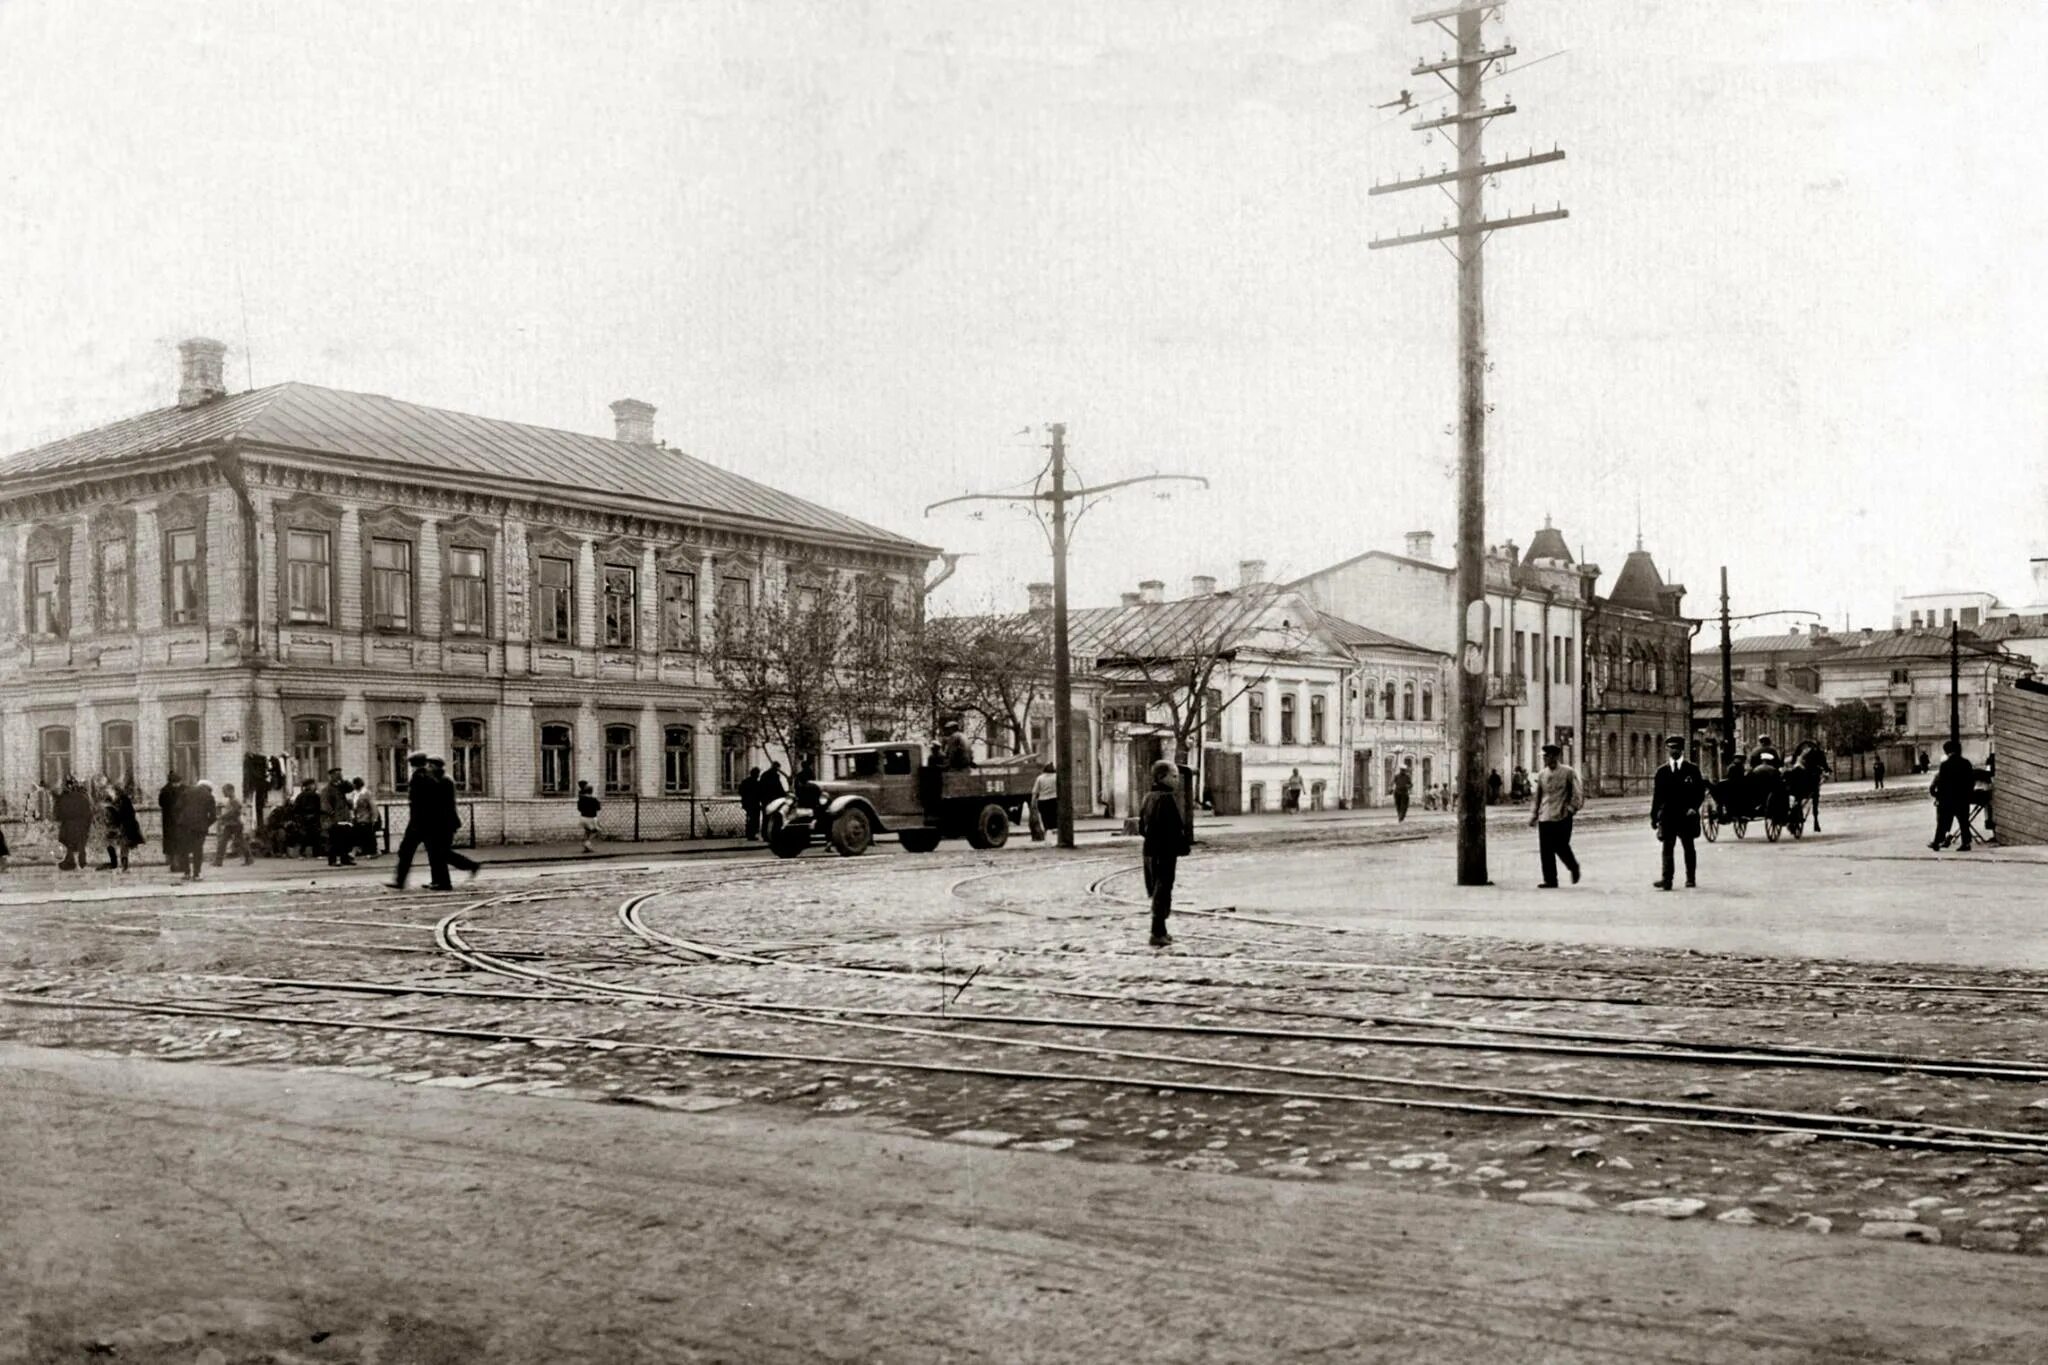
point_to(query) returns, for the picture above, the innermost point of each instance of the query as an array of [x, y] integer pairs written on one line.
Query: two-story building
[[1637, 676], [1536, 602], [336, 579], [1906, 675]]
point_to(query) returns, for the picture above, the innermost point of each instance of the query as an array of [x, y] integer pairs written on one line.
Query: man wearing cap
[[1675, 798], [422, 799], [441, 853], [1558, 798], [1955, 781]]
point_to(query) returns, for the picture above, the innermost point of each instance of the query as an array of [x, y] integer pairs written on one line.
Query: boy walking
[[1558, 798], [1165, 831], [587, 807]]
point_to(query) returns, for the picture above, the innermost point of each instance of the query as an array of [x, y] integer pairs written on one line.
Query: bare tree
[[1177, 662], [1006, 667], [787, 668]]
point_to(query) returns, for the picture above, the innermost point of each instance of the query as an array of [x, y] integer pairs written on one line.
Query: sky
[[865, 250]]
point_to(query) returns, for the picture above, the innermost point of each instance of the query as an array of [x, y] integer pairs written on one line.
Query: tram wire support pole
[[1955, 685], [1728, 745], [1056, 500], [1468, 124]]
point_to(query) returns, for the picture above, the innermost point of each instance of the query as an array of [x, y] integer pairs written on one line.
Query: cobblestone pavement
[[976, 998]]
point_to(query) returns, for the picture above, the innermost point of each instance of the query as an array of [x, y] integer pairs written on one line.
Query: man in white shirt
[[1558, 797], [1045, 801]]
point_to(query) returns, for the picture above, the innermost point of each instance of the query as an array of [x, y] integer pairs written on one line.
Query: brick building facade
[[1638, 676], [338, 579]]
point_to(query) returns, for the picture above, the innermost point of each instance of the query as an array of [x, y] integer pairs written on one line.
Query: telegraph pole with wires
[[1056, 498], [1468, 124]]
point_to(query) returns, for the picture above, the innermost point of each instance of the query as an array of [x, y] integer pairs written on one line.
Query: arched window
[[1369, 700], [1316, 731], [618, 758], [1655, 664], [1408, 701], [312, 747], [732, 759], [1256, 798], [466, 761], [185, 759], [1428, 705], [53, 755], [117, 752], [676, 744], [1387, 700], [394, 747], [557, 759]]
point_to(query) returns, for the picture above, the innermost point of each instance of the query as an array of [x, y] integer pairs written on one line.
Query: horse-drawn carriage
[[1780, 799]]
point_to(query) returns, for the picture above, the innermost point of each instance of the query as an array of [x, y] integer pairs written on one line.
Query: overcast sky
[[855, 248]]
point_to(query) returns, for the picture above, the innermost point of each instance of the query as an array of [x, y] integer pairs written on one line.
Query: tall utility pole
[[1469, 125], [1056, 499], [1728, 749], [1955, 684]]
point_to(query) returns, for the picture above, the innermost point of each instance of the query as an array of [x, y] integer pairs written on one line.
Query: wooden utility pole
[[1056, 499], [1955, 684], [1728, 749], [1468, 124]]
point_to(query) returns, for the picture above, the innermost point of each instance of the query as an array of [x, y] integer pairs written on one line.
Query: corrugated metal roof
[[365, 426], [1357, 636], [1707, 691]]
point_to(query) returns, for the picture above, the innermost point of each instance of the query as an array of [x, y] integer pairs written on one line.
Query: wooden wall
[[2019, 723]]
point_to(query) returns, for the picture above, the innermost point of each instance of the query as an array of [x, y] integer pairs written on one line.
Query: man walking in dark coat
[[1403, 784], [74, 824], [422, 800], [1955, 781], [1675, 798], [441, 854], [1877, 775], [750, 801], [195, 814], [1165, 832]]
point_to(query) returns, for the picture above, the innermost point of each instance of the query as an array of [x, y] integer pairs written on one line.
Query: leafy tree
[[1854, 726], [1178, 665]]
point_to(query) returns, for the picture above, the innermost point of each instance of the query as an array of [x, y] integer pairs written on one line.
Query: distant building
[[1783, 715], [337, 579], [1940, 610], [1397, 714], [1532, 657], [1905, 674], [1638, 675]]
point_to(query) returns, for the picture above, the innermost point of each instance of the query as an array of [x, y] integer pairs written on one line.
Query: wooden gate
[[2019, 724], [1223, 781]]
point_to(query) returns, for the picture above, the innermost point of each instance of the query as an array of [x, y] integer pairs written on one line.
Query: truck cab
[[888, 788]]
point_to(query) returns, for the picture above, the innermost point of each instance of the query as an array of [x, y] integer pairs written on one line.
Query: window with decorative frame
[[1387, 700], [1287, 732], [184, 582], [393, 748], [53, 754], [1428, 702], [677, 741], [186, 756], [1368, 698], [678, 609], [621, 605], [1408, 701], [46, 598], [1316, 707], [469, 590], [309, 569], [1255, 717], [554, 606], [557, 759], [735, 597], [117, 752], [619, 756], [390, 584], [467, 761], [113, 568], [313, 745], [1212, 715], [732, 760]]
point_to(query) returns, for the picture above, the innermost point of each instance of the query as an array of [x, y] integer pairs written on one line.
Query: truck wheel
[[788, 842], [852, 832], [919, 840], [991, 827]]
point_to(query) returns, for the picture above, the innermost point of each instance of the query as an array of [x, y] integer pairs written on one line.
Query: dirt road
[[182, 1213]]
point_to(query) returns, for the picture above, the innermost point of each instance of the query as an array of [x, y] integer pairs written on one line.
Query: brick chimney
[[1128, 599], [1250, 572], [1204, 585], [1152, 590], [635, 420], [1422, 546], [1041, 596], [199, 371]]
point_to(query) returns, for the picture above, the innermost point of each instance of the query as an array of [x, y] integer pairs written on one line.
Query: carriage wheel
[[1711, 826], [1741, 828], [1772, 829], [1797, 824]]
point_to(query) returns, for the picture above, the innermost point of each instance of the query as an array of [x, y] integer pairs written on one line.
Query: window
[[621, 601], [1916, 621], [896, 763], [466, 757], [1564, 672], [1212, 717], [1493, 666], [1948, 616], [117, 752], [1255, 709], [679, 611], [115, 585], [1287, 718], [468, 591], [1316, 705], [1315, 795], [806, 601], [1736, 674], [676, 743], [391, 584], [1256, 798], [1557, 658], [1899, 717], [181, 577], [45, 598], [732, 760], [735, 597], [1898, 675], [1408, 701], [1368, 699], [1428, 704], [312, 746], [53, 754], [1521, 669], [554, 616], [874, 614], [309, 573], [557, 760], [185, 759], [618, 758], [1387, 699], [394, 747], [1427, 782]]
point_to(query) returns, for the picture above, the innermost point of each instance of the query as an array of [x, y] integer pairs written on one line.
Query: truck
[[871, 789]]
